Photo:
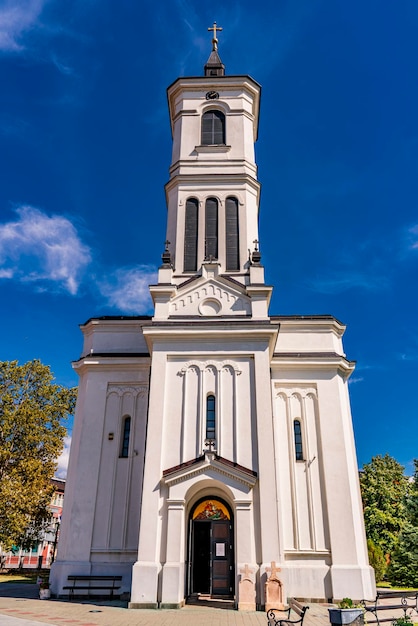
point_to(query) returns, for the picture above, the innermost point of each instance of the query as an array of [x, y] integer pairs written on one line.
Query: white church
[[213, 444]]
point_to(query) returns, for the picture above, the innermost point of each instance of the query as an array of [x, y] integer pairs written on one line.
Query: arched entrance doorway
[[211, 549]]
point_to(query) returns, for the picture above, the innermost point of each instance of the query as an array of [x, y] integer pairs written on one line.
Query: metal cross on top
[[214, 38], [210, 444]]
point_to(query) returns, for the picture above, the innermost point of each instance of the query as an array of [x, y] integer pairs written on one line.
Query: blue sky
[[86, 146]]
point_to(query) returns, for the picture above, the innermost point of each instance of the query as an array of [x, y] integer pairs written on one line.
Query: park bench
[[90, 585], [390, 605], [275, 616]]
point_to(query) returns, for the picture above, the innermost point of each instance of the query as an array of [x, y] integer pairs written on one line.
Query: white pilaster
[[172, 594]]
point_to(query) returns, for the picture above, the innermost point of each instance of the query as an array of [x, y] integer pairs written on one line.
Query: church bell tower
[[213, 197]]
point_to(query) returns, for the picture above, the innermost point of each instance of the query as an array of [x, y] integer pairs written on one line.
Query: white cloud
[[127, 289], [412, 355], [344, 281], [16, 19], [61, 66], [38, 248], [413, 237], [354, 380], [61, 471]]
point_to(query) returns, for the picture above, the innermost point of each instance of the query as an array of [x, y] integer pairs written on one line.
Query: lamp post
[[57, 528]]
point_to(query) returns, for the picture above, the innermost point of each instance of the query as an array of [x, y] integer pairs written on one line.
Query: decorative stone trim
[[200, 366], [120, 390], [295, 391]]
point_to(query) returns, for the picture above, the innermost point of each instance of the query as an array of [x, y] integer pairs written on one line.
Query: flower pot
[[44, 594], [346, 616]]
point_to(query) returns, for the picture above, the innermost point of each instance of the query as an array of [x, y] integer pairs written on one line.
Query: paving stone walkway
[[20, 606]]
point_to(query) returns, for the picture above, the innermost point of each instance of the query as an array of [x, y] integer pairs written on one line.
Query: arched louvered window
[[213, 128], [211, 229], [232, 234], [126, 432], [297, 431], [210, 417], [190, 235]]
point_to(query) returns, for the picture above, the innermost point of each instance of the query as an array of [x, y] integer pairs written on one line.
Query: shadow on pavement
[[212, 603], [12, 589]]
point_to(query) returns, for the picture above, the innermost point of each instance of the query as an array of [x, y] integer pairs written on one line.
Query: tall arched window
[[190, 235], [213, 128], [210, 417], [232, 234], [126, 432], [211, 228], [297, 431]]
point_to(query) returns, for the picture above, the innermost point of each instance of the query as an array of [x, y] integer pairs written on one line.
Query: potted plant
[[347, 613], [44, 590]]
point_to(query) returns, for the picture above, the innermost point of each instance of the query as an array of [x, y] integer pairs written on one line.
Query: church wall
[[302, 335], [190, 431], [67, 535], [114, 336], [334, 509], [83, 472], [117, 515], [188, 383], [187, 130], [100, 523], [300, 485], [228, 428]]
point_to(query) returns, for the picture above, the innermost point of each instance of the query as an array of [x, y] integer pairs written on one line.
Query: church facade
[[213, 448]]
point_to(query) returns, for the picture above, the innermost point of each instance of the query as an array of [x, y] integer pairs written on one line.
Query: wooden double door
[[211, 553]]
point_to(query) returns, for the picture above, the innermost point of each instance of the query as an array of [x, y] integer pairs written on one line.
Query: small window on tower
[[210, 417], [232, 234], [190, 235], [297, 431], [126, 432], [211, 229], [213, 128]]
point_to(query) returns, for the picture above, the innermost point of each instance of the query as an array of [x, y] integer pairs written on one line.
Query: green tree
[[383, 489], [377, 560], [403, 567], [32, 411], [412, 499]]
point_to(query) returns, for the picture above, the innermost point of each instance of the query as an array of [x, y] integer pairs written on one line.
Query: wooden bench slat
[[79, 583], [294, 602], [276, 620], [380, 620], [92, 587], [390, 607], [92, 577], [411, 593]]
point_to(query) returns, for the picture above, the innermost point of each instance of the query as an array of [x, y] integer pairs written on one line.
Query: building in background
[[42, 555], [213, 450]]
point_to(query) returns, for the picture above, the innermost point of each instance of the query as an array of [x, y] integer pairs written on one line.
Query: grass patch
[[18, 578], [389, 587]]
